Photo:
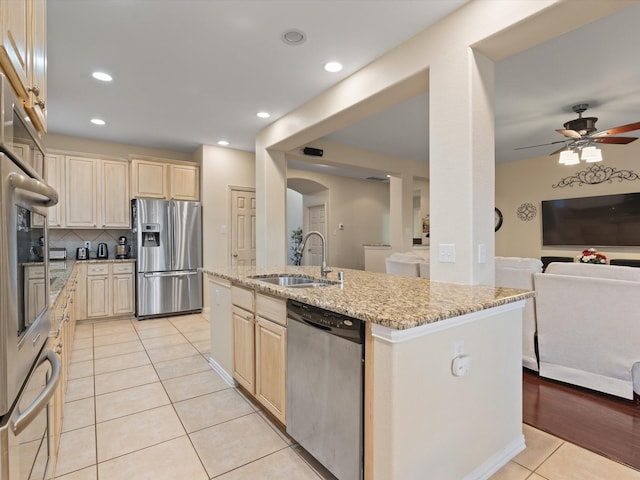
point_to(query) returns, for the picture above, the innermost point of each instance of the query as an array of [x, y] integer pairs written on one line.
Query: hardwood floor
[[598, 422]]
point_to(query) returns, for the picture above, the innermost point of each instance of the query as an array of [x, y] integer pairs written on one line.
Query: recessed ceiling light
[[104, 77], [98, 121], [293, 37], [223, 143], [263, 114], [333, 67]]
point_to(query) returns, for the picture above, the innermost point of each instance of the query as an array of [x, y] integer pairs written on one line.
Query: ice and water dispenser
[[150, 234]]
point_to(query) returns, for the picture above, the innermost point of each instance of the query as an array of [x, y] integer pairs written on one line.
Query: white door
[[243, 227], [317, 222]]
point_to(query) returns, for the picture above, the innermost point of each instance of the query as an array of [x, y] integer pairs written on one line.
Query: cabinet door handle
[[35, 90], [235, 255], [40, 104]]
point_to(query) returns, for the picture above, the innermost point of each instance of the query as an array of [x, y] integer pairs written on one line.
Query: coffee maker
[[122, 249]]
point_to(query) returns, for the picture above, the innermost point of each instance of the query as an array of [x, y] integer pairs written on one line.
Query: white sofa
[[406, 264], [516, 272], [589, 326]]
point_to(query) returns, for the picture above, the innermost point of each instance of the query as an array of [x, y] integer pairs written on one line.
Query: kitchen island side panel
[[428, 423]]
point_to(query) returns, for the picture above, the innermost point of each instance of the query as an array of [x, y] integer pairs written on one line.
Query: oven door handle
[[32, 185], [32, 411]]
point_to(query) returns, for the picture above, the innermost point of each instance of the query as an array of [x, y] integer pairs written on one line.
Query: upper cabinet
[[161, 179], [94, 192], [23, 54]]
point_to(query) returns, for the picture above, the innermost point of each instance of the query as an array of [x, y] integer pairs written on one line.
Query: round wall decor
[[498, 219]]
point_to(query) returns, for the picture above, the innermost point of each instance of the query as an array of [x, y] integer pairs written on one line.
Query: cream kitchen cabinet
[[94, 192], [114, 201], [271, 354], [110, 288], [55, 178], [34, 288], [61, 342], [260, 347], [81, 193], [122, 288], [23, 54], [164, 180], [243, 319]]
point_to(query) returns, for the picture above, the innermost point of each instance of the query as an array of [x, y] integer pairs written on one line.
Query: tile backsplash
[[72, 239]]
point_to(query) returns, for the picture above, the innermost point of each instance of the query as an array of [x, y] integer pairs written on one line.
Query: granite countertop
[[390, 300], [60, 271]]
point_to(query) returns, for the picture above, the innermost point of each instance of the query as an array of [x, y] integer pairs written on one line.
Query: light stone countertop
[[390, 300], [60, 270]]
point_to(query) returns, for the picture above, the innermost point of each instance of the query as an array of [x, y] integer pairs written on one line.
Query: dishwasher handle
[[316, 325]]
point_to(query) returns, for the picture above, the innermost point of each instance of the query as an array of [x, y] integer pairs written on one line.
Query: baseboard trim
[[222, 372], [498, 460]]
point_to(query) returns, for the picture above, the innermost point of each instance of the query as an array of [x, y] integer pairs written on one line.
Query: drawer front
[[35, 272], [119, 268], [101, 269], [242, 297], [272, 308]]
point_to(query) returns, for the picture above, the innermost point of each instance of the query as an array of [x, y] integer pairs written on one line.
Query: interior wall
[[294, 218], [360, 205], [221, 168], [533, 180], [84, 145]]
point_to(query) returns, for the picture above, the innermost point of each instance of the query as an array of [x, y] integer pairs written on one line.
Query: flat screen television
[[607, 220]]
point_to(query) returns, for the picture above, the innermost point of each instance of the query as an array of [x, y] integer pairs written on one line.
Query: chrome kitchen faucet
[[323, 269]]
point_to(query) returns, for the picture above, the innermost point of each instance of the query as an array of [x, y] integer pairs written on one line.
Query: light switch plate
[[447, 253], [482, 253]]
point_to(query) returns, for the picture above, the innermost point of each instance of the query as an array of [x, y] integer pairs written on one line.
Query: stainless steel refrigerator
[[167, 238]]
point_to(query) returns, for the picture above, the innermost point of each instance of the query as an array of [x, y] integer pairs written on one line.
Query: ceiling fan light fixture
[[591, 154], [569, 157]]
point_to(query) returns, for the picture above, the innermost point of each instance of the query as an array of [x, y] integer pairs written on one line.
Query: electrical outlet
[[87, 244]]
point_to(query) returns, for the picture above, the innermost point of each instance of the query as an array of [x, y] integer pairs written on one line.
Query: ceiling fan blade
[[568, 133], [616, 140], [616, 130], [541, 145], [558, 151]]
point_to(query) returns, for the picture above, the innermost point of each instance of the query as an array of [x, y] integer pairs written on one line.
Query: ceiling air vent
[[378, 179]]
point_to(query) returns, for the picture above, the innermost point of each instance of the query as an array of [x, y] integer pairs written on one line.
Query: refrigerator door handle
[[170, 274], [172, 228]]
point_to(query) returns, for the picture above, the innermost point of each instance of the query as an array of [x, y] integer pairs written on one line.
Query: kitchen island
[[421, 419]]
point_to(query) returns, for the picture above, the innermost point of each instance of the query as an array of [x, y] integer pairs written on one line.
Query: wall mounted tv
[[607, 220]]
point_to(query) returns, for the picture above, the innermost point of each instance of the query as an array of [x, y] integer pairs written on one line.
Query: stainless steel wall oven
[[29, 372]]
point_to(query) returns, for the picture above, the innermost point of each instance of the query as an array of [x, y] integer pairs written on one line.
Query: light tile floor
[[142, 402]]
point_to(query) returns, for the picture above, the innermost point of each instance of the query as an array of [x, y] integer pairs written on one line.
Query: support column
[[401, 212], [271, 208], [462, 166]]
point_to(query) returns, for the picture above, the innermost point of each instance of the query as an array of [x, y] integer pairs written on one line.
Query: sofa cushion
[[613, 272]]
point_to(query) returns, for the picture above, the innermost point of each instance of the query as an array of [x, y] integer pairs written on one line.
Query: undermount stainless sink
[[296, 281]]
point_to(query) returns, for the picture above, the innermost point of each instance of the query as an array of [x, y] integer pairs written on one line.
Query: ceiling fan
[[581, 132]]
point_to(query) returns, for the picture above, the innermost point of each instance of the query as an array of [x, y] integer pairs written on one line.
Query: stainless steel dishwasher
[[325, 388]]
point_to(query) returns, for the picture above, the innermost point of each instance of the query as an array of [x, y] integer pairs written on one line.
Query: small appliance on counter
[[57, 253], [82, 253], [103, 251], [123, 249], [38, 250]]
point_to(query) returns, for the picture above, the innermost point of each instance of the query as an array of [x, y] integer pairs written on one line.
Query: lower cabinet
[[243, 347], [260, 347], [34, 289], [271, 366], [110, 289], [63, 320]]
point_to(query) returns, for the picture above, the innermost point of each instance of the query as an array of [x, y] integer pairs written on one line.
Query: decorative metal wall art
[[527, 212], [595, 175]]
